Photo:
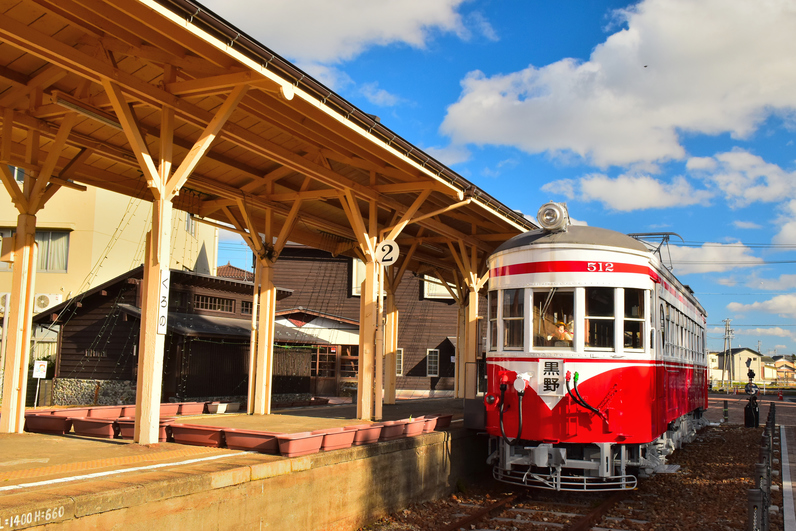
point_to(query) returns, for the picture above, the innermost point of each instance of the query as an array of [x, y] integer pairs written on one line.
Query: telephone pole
[[727, 348]]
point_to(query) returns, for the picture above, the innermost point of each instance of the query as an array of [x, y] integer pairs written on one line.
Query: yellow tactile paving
[[82, 466]]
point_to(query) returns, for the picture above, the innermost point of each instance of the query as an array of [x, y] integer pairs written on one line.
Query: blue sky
[[659, 116]]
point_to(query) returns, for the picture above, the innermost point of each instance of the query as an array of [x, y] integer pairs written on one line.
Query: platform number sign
[[163, 300], [387, 252]]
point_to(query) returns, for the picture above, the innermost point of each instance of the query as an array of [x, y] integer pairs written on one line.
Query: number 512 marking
[[600, 267]]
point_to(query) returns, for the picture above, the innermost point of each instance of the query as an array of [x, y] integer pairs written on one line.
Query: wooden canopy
[[250, 132], [165, 101]]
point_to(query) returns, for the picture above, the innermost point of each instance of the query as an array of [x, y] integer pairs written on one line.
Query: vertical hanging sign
[[163, 300]]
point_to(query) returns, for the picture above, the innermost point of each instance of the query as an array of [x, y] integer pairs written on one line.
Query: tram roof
[[104, 85], [575, 235]]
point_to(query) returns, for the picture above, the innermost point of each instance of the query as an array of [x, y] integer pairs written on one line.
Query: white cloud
[[326, 32], [627, 193], [746, 225], [712, 258], [378, 96], [708, 67], [449, 155], [787, 224], [766, 332], [744, 178], [784, 305]]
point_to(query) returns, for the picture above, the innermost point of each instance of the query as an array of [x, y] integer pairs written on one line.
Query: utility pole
[[727, 348]]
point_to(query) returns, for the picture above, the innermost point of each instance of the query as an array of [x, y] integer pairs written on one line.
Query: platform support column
[[390, 346], [471, 347], [154, 317], [367, 337], [264, 365], [15, 376]]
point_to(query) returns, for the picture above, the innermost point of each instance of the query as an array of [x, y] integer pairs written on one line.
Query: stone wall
[[71, 392]]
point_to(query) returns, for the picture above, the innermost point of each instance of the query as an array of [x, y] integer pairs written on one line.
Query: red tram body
[[596, 361]]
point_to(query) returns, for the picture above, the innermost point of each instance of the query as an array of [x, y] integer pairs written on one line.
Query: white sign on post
[[163, 301], [39, 369], [387, 252]]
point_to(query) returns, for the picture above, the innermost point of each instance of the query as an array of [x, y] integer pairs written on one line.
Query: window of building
[[53, 251], [349, 361], [323, 362], [493, 319], [216, 304], [399, 362], [513, 317], [599, 318], [634, 318], [246, 307], [5, 233], [553, 318], [190, 224], [18, 173], [432, 289], [432, 362]]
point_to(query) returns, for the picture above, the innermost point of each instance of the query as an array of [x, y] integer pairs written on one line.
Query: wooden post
[[391, 346], [367, 336], [461, 344], [15, 377], [470, 368], [253, 337], [379, 345], [151, 341], [264, 367]]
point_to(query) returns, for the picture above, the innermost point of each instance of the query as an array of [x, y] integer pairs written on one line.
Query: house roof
[[177, 276], [194, 325], [98, 84], [230, 271], [315, 313]]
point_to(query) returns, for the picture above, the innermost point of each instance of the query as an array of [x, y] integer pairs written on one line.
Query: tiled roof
[[230, 271]]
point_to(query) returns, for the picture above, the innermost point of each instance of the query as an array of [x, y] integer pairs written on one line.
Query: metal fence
[[759, 498]]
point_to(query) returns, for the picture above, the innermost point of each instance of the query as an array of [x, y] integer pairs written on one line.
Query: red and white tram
[[596, 359]]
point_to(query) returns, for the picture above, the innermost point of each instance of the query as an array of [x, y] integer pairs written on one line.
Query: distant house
[[230, 271], [206, 347], [735, 364], [786, 371], [325, 302]]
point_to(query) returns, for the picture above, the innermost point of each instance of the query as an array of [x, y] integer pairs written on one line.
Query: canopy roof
[[102, 92]]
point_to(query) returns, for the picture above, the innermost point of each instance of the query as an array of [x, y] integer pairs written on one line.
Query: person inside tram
[[560, 333]]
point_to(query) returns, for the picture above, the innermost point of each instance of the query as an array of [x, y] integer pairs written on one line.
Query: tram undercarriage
[[590, 467]]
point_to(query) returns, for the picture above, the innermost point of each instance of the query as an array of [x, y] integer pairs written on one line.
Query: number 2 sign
[[387, 252]]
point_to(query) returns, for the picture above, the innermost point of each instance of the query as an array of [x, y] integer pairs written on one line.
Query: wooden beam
[[205, 139], [43, 177], [11, 186], [130, 125], [212, 85]]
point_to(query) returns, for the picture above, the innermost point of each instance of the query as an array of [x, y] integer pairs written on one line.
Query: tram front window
[[553, 318], [600, 318]]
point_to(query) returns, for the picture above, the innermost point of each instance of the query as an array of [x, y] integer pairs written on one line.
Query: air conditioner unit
[[5, 300], [42, 301]]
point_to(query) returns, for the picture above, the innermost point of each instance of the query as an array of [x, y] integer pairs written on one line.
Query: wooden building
[[323, 285], [206, 347]]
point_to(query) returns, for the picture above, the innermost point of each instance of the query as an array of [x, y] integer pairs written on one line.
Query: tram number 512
[[600, 267]]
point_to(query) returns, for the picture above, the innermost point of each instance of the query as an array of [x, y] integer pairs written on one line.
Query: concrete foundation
[[339, 490]]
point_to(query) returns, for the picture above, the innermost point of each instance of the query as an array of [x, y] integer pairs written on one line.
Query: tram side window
[[493, 322], [600, 318], [513, 317], [634, 318], [553, 318]]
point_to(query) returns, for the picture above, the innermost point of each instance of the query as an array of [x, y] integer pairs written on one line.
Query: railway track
[[565, 512]]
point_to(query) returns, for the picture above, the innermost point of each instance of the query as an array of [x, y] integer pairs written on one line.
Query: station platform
[[90, 483], [70, 482]]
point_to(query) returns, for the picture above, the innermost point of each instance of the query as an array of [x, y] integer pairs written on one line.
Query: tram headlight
[[553, 216]]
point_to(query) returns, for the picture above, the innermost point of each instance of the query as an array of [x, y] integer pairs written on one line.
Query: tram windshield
[[553, 318]]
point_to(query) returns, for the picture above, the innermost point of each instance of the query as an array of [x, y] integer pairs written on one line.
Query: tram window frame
[[492, 317], [637, 321], [512, 318], [600, 319], [556, 302]]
